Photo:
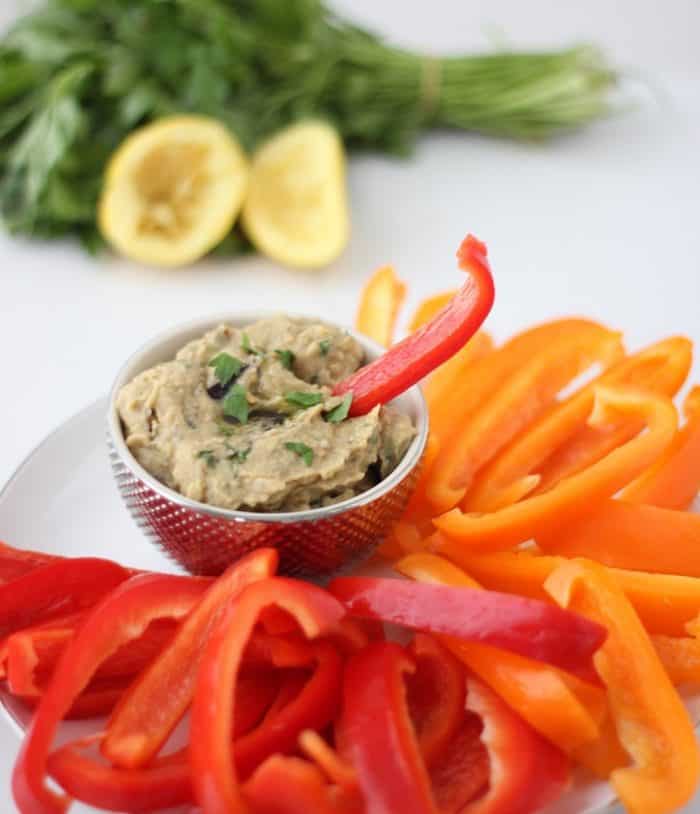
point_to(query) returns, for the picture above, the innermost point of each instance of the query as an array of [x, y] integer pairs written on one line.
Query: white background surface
[[605, 223]]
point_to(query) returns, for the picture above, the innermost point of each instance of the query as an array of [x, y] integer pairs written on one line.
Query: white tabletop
[[604, 223]]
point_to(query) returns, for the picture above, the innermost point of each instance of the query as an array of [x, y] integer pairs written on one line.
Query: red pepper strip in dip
[[408, 361], [532, 628], [377, 734], [56, 589], [288, 785], [121, 616], [526, 771], [436, 693], [217, 789], [160, 696]]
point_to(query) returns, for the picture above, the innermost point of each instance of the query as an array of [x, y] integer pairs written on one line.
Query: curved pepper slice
[[591, 444], [661, 368], [378, 735], [664, 603], [535, 629], [435, 695], [163, 785], [216, 785], [56, 589], [566, 710], [407, 362], [121, 616], [166, 781], [379, 306], [674, 480], [462, 775], [526, 772], [158, 699], [652, 723], [626, 535], [313, 706], [515, 404], [535, 516]]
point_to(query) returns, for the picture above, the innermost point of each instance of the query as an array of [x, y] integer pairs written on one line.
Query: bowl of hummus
[[225, 436]]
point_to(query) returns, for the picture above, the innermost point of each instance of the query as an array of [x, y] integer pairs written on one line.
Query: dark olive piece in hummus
[[244, 419]]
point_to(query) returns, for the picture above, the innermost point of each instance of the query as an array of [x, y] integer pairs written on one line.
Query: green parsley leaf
[[248, 348], [301, 399], [209, 457], [304, 452], [236, 404], [325, 345], [286, 357], [225, 367], [238, 456], [225, 429], [340, 412]]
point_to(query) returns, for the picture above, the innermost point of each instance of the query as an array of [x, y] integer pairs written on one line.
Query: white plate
[[63, 500]]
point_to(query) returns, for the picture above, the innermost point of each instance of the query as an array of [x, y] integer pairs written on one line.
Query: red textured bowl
[[204, 539]]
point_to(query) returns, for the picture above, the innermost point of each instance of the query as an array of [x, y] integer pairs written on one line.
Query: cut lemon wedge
[[296, 210], [173, 190]]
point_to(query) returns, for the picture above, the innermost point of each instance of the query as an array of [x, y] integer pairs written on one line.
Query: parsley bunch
[[78, 75]]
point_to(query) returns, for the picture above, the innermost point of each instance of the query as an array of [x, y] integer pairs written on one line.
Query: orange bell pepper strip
[[664, 603], [661, 368], [626, 535], [379, 306], [481, 380], [535, 516], [674, 480], [591, 444], [651, 721], [560, 706], [518, 400]]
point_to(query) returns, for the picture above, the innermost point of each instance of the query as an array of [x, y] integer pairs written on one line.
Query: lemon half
[[172, 190], [296, 209]]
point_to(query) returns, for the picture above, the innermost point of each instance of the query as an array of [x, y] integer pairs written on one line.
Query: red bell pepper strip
[[377, 734], [529, 627], [526, 771], [216, 785], [436, 694], [288, 785], [313, 707], [279, 651], [121, 616], [408, 361], [56, 589], [26, 650], [155, 703], [163, 785], [166, 781], [16, 562]]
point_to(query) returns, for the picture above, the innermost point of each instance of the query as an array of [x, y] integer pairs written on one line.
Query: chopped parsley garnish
[[208, 456], [325, 345], [238, 456], [225, 429], [339, 412], [301, 399], [304, 452], [286, 357], [226, 367], [248, 348], [236, 404]]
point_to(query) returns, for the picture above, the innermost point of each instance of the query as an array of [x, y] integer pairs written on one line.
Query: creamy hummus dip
[[244, 419]]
